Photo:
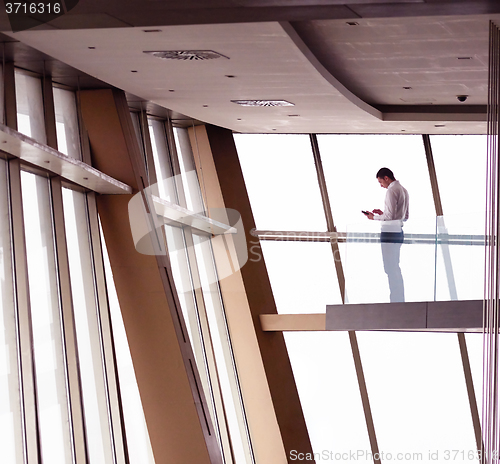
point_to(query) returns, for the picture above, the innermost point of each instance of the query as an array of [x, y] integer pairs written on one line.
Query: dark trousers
[[391, 249]]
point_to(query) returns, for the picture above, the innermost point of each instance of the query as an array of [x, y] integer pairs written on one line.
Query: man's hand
[[377, 211], [370, 216]]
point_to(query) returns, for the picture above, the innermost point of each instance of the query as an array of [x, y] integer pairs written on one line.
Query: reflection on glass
[[29, 101], [281, 181], [366, 279], [68, 133], [221, 347], [417, 394], [87, 328], [326, 380], [50, 369], [10, 406], [136, 431], [302, 275]]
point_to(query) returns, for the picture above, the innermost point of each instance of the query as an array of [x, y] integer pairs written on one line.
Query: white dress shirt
[[396, 209]]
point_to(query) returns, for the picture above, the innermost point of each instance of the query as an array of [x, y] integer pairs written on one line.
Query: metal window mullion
[[341, 280], [109, 362], [76, 416], [205, 333], [23, 306], [328, 213]]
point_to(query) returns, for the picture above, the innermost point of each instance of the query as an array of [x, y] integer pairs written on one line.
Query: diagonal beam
[[341, 280]]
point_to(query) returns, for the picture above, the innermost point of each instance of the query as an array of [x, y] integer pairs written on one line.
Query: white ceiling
[[376, 57]]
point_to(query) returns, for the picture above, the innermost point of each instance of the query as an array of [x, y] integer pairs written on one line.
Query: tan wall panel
[[275, 416], [170, 410]]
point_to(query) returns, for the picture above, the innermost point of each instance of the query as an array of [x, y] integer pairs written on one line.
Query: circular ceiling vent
[[196, 55]]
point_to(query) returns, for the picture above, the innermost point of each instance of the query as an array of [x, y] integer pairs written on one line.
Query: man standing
[[396, 211]]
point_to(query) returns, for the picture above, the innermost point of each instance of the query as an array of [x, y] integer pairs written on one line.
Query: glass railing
[[439, 259]]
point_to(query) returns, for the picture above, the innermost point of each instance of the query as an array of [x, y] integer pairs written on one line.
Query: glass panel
[[302, 275], [48, 345], [221, 345], [136, 431], [29, 100], [10, 404], [461, 173], [67, 128], [87, 328], [458, 159], [460, 249], [281, 181], [166, 189], [369, 280], [324, 371], [188, 171], [417, 395]]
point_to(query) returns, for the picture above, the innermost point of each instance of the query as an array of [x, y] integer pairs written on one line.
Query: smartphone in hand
[[366, 213]]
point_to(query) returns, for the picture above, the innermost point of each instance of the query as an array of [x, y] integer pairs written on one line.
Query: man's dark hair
[[385, 172]]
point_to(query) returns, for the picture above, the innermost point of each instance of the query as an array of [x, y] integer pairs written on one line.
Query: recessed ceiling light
[[91, 48], [231, 76], [262, 102], [407, 88], [171, 90], [85, 178], [205, 106], [293, 115], [352, 23], [134, 70], [464, 57], [187, 55], [239, 119], [151, 30], [439, 125]]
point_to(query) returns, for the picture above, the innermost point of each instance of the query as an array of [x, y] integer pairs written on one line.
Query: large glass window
[[48, 346], [418, 394], [10, 404], [67, 128], [281, 182], [326, 380], [30, 114], [87, 328]]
